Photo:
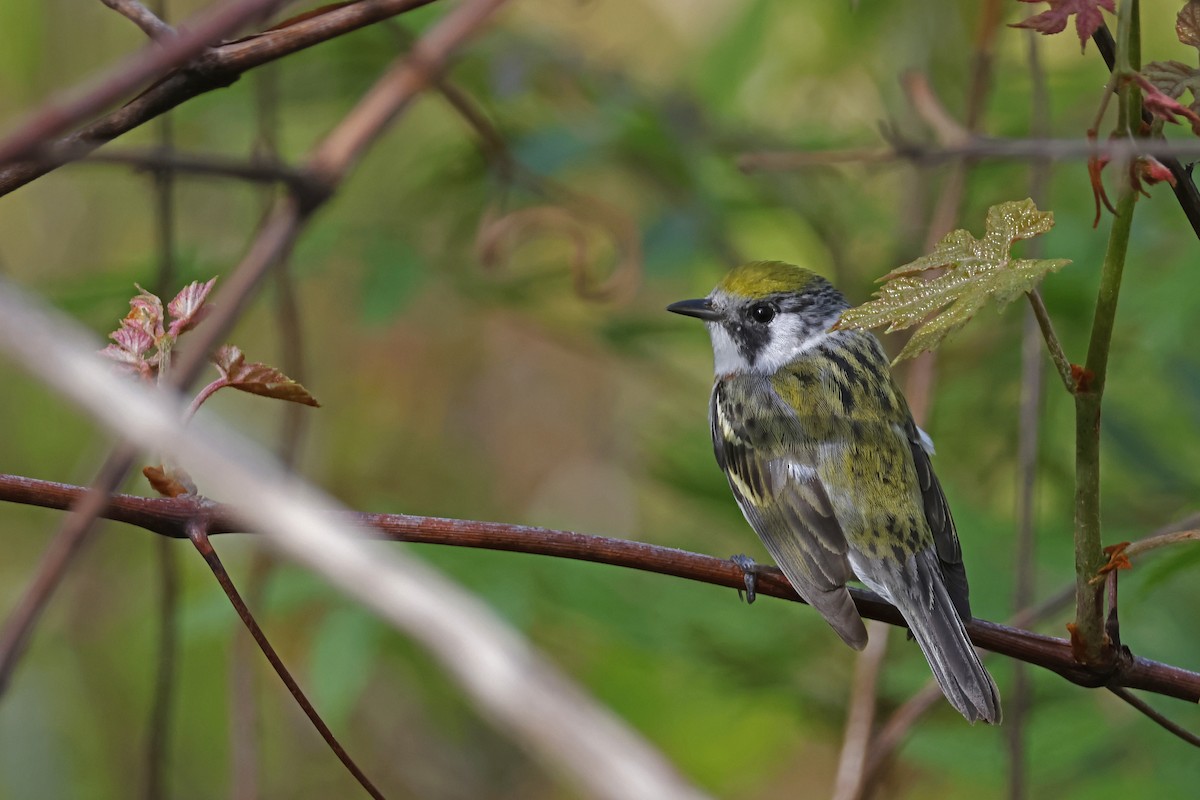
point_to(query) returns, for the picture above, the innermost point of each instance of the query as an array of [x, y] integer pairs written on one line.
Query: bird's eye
[[762, 313]]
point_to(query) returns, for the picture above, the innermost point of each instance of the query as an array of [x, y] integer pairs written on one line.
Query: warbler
[[830, 470]]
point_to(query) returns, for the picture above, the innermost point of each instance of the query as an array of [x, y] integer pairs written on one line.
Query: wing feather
[[941, 523], [784, 501]]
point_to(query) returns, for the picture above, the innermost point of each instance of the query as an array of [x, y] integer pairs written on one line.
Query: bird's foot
[[749, 576]]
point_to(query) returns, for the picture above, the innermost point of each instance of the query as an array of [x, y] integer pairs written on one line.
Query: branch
[[143, 17], [216, 68], [257, 170], [974, 147], [199, 538], [169, 517]]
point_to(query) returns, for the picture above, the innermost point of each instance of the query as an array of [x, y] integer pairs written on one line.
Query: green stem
[[1089, 555]]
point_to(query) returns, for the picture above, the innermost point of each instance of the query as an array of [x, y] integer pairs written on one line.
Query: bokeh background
[[474, 382]]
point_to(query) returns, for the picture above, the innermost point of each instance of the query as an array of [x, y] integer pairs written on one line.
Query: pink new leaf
[[259, 379], [188, 308], [1087, 17], [1161, 105], [128, 362], [1153, 171], [134, 340], [129, 350], [145, 313]]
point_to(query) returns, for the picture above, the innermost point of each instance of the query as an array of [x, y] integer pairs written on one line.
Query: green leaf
[[975, 269]]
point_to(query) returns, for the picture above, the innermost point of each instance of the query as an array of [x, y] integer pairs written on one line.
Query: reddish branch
[[170, 517], [199, 537]]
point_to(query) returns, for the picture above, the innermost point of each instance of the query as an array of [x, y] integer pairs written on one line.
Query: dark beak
[[700, 309]]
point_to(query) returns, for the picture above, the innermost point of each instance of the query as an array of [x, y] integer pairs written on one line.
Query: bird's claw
[[749, 576]]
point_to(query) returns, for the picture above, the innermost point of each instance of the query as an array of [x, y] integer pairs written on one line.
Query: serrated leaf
[[1087, 17], [134, 340], [975, 270], [1187, 24], [188, 308], [1172, 78], [257, 378]]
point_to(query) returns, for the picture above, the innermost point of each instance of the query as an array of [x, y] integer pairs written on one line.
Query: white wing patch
[[926, 441]]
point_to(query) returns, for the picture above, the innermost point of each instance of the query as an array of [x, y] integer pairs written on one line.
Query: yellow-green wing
[[782, 498]]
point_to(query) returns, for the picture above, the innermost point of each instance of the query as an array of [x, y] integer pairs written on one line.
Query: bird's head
[[764, 314]]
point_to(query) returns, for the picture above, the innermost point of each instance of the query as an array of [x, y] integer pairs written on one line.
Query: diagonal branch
[[1167, 724], [143, 17], [200, 539]]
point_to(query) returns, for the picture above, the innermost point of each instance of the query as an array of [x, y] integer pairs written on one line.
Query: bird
[[830, 470]]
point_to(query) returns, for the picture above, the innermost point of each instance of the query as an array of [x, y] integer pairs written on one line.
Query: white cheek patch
[[727, 357]]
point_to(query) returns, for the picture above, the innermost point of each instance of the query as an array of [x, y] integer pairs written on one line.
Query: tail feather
[[943, 639]]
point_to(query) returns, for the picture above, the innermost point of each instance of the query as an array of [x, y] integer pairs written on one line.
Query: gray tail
[[943, 639]]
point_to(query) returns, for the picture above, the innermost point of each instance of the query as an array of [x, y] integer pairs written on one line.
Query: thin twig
[[258, 170], [150, 23], [976, 148], [1144, 546], [1149, 711], [1053, 346], [204, 546]]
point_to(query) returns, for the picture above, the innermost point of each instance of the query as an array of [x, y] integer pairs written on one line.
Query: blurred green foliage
[[497, 392]]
